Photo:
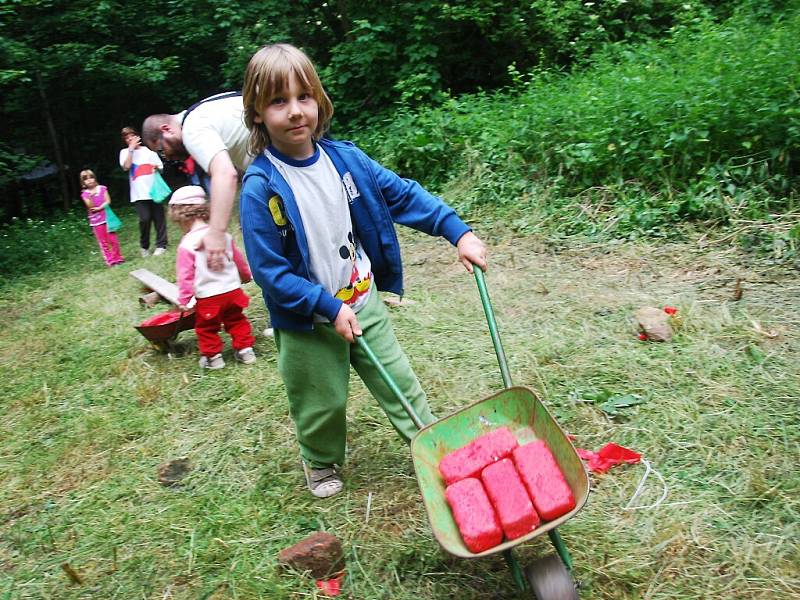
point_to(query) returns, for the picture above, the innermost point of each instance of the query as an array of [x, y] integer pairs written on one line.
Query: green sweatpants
[[315, 367]]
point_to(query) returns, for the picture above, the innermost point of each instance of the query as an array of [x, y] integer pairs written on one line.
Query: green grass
[[90, 411]]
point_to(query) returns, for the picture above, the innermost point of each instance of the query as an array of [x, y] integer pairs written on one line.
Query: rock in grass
[[172, 472], [320, 553], [654, 322]]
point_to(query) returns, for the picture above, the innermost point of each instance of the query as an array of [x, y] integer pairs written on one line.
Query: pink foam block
[[510, 499], [469, 460], [474, 515], [544, 480]]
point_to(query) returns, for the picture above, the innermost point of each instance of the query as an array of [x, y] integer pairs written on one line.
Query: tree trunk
[[51, 128]]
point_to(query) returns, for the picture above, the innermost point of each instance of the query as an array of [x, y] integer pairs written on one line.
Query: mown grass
[[90, 411]]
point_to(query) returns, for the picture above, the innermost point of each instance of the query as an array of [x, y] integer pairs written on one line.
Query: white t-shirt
[[337, 261], [144, 164], [215, 126]]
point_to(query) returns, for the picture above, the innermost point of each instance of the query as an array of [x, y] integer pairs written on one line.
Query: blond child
[[318, 222], [96, 198]]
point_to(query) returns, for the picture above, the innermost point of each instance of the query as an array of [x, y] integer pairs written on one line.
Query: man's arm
[[127, 161], [224, 179]]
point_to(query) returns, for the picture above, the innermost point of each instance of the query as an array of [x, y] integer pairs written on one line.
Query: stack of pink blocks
[[496, 487]]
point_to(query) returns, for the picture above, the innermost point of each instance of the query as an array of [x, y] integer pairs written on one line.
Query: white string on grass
[[640, 489], [369, 507]]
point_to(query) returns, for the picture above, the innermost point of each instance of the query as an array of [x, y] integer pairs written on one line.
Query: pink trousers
[[109, 245]]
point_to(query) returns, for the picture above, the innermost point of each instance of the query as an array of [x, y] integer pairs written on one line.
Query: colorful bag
[[112, 221], [160, 190]]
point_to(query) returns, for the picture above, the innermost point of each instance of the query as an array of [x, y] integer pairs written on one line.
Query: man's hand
[[346, 324], [214, 244], [471, 251]]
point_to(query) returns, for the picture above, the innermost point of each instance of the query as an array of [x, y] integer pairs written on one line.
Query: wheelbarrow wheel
[[550, 579]]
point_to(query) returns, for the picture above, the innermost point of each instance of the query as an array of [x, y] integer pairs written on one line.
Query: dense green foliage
[[73, 73], [691, 127], [34, 245]]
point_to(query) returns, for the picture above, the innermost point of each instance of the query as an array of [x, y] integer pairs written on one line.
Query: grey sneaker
[[323, 483], [144, 252], [245, 355], [215, 362], [159, 251]]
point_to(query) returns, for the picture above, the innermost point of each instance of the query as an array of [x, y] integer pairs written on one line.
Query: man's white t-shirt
[[337, 261], [215, 126], [143, 165]]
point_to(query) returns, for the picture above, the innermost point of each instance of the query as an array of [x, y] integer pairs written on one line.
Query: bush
[[681, 129], [31, 245]]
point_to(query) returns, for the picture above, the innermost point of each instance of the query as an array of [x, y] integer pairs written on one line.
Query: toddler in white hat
[[219, 295]]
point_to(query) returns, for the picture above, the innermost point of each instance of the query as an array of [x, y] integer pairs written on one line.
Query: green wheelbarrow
[[522, 411]]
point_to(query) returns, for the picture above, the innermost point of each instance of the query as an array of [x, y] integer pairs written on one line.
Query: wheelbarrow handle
[[498, 348], [493, 331], [389, 381]]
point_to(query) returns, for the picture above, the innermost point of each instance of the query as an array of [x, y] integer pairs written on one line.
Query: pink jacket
[[194, 276]]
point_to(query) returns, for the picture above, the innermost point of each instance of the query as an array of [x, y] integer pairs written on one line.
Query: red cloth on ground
[[609, 455]]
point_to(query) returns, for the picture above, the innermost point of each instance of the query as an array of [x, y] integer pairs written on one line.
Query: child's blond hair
[[266, 76], [86, 174], [186, 214]]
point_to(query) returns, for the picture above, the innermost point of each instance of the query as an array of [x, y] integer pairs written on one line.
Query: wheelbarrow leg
[[561, 548], [516, 570]]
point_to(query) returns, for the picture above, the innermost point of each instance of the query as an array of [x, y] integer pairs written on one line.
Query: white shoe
[[323, 483], [245, 355], [144, 252], [159, 251], [215, 362]]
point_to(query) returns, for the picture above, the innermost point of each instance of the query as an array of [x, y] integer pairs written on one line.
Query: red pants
[[222, 310]]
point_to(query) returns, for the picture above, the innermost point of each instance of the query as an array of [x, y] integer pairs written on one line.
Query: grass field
[[90, 411]]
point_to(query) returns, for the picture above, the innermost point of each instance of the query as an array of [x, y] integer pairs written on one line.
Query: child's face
[[291, 119], [89, 181]]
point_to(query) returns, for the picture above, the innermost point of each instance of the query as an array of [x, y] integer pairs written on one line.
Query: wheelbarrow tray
[[519, 409], [165, 326]]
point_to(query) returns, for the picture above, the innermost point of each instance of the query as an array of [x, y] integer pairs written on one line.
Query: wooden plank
[[165, 289]]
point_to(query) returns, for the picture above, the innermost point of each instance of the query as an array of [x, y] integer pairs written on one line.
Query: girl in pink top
[[219, 295], [96, 198]]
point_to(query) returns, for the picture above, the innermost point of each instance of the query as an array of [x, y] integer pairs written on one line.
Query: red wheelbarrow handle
[[501, 357]]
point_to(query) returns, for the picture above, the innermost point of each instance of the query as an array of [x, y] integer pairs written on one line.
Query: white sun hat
[[188, 194]]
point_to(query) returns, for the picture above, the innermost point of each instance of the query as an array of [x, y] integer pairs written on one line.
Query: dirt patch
[[602, 277]]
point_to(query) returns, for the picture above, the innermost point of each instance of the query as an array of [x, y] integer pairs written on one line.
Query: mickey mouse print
[[360, 280]]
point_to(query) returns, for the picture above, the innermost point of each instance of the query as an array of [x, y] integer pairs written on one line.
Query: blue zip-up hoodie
[[275, 237]]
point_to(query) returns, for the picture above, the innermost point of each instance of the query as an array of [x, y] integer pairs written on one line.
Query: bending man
[[212, 132]]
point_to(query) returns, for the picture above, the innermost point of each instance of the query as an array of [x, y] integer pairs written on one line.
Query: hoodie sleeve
[[241, 263], [184, 271], [413, 206]]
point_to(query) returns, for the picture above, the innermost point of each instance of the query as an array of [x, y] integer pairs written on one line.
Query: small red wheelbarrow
[[523, 412], [161, 330]]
